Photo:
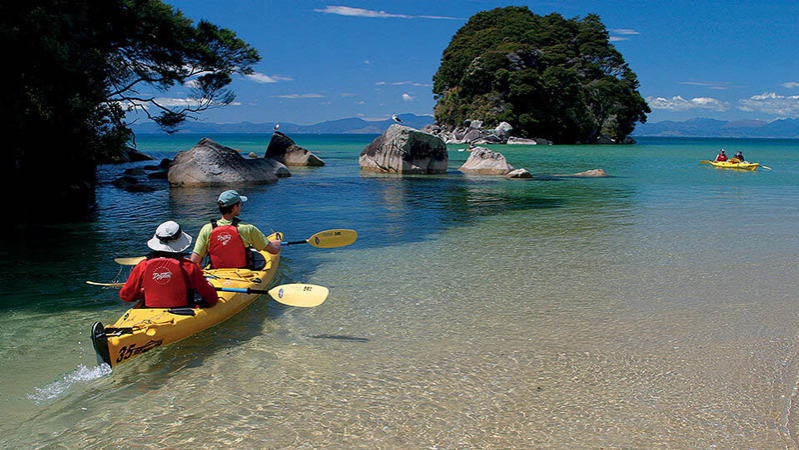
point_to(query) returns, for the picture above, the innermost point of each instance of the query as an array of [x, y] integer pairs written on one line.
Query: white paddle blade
[[333, 238], [302, 295]]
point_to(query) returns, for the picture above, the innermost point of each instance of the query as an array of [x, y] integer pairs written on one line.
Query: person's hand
[[273, 247]]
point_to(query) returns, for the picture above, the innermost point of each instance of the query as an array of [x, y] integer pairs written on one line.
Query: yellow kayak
[[735, 165], [140, 330]]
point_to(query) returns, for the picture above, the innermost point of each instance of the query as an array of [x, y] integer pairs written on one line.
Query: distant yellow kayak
[[735, 165]]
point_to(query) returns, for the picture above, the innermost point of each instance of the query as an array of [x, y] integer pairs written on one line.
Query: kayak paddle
[[301, 295], [765, 167], [705, 162], [322, 239], [328, 239], [129, 261], [94, 283]]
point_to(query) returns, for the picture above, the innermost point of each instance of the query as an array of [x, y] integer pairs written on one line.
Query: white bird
[[395, 118], [277, 125]]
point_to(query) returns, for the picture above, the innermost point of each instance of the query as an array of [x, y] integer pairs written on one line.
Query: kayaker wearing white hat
[[166, 279], [227, 239]]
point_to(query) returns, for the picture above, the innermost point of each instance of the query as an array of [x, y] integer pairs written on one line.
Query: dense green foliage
[[547, 76], [73, 68]]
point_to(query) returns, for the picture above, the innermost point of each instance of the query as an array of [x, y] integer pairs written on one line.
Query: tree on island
[[75, 67], [547, 76]]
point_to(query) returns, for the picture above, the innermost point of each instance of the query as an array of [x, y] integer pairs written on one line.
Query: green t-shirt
[[250, 235]]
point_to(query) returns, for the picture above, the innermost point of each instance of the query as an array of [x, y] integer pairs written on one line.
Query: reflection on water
[[655, 309]]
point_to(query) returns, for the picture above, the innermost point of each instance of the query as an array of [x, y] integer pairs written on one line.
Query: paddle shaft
[[242, 290], [305, 241]]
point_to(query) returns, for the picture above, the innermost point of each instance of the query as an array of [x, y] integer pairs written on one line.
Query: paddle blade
[[765, 167], [129, 261], [705, 162], [302, 295], [333, 238]]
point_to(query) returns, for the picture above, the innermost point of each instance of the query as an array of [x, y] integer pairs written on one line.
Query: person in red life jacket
[[721, 157], [227, 240], [166, 279]]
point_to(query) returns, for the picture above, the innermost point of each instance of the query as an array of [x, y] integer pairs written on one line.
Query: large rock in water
[[212, 164], [282, 148], [483, 161], [402, 149]]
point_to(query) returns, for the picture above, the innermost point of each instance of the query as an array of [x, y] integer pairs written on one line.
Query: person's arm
[[201, 285], [132, 290], [273, 247], [201, 246], [258, 240]]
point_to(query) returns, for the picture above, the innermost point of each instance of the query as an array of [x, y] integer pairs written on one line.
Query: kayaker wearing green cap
[[226, 239], [166, 279]]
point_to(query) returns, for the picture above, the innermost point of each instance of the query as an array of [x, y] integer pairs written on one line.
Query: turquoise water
[[653, 309]]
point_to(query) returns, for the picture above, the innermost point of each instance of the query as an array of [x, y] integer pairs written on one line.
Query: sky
[[333, 59]]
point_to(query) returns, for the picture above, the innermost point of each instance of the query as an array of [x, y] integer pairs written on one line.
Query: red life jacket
[[164, 282], [721, 158], [226, 247]]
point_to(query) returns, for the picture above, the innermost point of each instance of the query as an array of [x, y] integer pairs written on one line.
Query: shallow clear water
[[654, 309]]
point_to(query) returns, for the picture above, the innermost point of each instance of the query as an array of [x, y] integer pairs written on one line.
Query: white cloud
[[716, 85], [299, 96], [261, 78], [401, 83], [677, 103], [264, 78], [791, 84], [367, 62], [360, 12], [623, 31], [408, 97], [771, 103], [361, 103], [347, 94]]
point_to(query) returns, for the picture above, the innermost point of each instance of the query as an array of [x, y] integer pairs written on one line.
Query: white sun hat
[[169, 237]]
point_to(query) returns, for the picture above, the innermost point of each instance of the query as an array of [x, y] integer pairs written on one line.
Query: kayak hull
[[733, 165], [140, 330]]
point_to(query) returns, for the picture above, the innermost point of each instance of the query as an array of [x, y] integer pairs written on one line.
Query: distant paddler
[[228, 241]]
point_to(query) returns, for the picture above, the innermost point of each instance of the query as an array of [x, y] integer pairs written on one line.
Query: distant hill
[[352, 125], [701, 127]]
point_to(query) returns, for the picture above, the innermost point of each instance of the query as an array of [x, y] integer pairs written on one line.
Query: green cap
[[228, 198]]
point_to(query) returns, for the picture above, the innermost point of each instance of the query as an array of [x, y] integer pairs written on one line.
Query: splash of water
[[62, 386]]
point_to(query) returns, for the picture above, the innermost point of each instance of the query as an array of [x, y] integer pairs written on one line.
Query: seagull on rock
[[277, 125], [395, 118]]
